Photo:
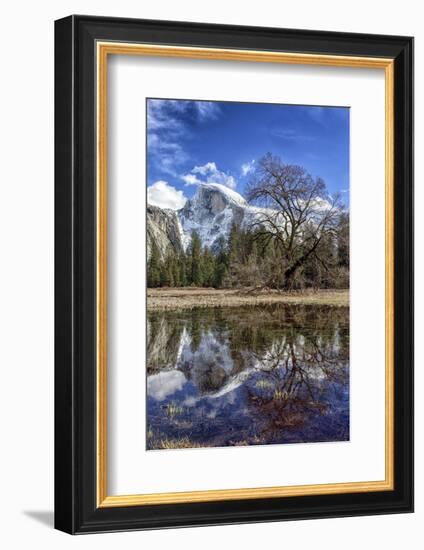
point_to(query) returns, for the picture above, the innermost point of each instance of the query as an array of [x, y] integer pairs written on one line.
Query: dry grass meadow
[[191, 297]]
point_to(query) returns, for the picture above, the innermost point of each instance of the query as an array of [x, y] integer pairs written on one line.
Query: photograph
[[247, 272]]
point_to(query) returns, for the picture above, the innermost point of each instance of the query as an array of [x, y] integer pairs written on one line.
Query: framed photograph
[[234, 274]]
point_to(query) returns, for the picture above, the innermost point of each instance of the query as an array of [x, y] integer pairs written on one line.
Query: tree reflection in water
[[255, 375]]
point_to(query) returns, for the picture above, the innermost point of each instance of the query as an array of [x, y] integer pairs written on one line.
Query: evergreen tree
[[195, 252], [153, 267], [165, 279], [175, 271], [234, 244], [207, 267], [220, 273], [221, 264], [182, 269]]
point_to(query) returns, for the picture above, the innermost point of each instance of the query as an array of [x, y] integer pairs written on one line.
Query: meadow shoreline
[[162, 299]]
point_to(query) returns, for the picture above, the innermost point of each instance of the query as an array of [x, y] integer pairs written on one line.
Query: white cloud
[[166, 113], [207, 109], [224, 179], [162, 384], [208, 167], [164, 195], [211, 174], [166, 154], [190, 179], [247, 167]]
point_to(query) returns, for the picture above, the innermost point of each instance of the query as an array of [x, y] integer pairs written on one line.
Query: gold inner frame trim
[[104, 49]]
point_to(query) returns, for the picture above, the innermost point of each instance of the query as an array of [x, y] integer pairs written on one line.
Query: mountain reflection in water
[[247, 376]]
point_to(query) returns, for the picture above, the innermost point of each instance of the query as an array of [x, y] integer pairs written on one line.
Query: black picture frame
[[76, 510]]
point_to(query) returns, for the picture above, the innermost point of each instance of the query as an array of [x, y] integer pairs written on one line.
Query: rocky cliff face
[[211, 212], [164, 229]]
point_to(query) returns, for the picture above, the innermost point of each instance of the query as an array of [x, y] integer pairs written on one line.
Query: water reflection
[[256, 375]]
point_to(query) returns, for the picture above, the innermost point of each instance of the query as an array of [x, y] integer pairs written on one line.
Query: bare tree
[[296, 213]]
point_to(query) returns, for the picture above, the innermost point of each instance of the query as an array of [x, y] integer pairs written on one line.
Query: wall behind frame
[[26, 274]]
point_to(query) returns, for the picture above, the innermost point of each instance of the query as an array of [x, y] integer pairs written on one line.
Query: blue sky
[[203, 141]]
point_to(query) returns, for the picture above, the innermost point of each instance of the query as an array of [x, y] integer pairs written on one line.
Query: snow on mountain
[[231, 195], [210, 212]]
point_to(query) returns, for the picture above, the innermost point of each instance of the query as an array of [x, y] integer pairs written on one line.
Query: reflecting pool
[[247, 376]]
